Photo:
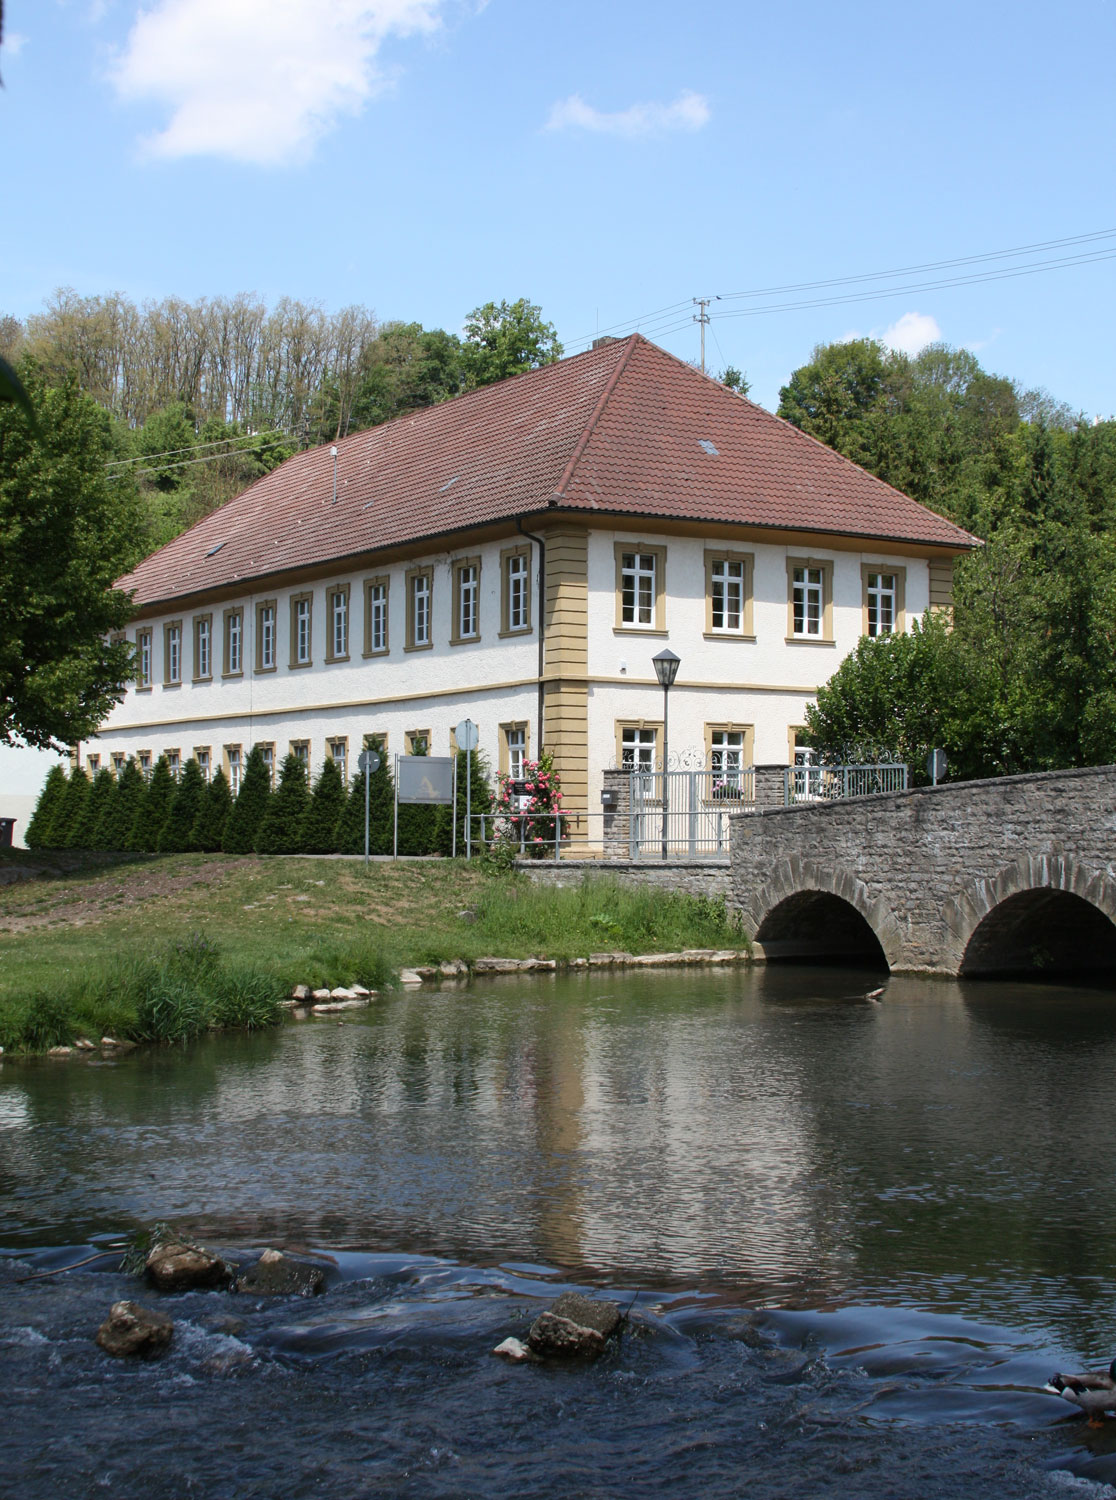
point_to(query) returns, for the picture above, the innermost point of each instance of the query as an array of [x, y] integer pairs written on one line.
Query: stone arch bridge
[[1002, 876]]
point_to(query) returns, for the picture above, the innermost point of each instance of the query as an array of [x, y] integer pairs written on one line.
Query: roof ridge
[[587, 431]]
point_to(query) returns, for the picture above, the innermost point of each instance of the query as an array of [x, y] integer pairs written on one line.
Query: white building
[[518, 555]]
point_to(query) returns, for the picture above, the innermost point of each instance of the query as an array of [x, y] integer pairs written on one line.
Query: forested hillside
[[206, 396], [1026, 680]]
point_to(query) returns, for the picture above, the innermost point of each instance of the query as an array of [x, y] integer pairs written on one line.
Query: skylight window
[[709, 447], [447, 484], [214, 550]]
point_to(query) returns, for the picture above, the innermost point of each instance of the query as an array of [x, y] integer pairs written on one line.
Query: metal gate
[[693, 822]]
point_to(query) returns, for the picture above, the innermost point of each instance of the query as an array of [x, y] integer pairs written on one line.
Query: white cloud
[[912, 332], [689, 111], [14, 43], [259, 80]]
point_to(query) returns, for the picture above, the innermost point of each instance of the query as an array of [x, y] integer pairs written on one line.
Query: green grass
[[108, 948]]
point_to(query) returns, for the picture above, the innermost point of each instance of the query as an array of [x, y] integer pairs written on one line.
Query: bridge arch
[[1046, 914], [811, 912]]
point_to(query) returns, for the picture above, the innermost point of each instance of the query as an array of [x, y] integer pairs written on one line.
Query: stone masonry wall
[[924, 867], [695, 877]]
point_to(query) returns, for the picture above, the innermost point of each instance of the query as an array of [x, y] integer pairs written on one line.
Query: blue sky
[[605, 160]]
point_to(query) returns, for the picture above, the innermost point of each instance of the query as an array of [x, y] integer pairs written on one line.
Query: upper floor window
[[419, 591], [810, 601], [515, 593], [338, 605], [301, 626], [639, 587], [728, 588], [172, 653], [143, 658], [265, 636], [203, 648], [234, 642], [466, 600], [375, 616], [883, 599]]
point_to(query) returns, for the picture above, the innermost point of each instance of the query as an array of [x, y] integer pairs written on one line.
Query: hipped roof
[[624, 429]]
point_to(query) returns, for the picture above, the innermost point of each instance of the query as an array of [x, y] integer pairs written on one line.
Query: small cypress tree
[[250, 806], [318, 833], [100, 796], [208, 831], [40, 830], [481, 803], [381, 808], [118, 815], [68, 822], [152, 812], [280, 829], [178, 830]]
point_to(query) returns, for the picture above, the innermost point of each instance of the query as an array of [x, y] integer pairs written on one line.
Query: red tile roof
[[624, 428]]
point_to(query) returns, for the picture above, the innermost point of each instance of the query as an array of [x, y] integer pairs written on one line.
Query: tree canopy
[[67, 531]]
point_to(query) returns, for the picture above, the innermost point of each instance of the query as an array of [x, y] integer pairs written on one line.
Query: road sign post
[[367, 761], [466, 735]]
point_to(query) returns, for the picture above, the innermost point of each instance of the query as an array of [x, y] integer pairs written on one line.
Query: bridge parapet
[[946, 880]]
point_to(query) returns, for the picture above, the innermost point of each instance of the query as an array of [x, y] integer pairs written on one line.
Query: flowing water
[[854, 1237]]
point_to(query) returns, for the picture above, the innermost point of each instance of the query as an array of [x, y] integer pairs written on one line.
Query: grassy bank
[[84, 950]]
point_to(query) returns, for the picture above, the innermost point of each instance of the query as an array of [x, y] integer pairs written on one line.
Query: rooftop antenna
[[333, 455]]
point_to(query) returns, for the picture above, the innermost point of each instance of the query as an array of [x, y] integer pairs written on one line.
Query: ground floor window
[[268, 754], [201, 755], [637, 747], [232, 759], [726, 758], [339, 754]]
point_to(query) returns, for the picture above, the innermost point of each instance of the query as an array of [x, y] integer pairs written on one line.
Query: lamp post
[[666, 666]]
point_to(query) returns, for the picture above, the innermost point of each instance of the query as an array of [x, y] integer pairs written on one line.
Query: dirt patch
[[54, 901]]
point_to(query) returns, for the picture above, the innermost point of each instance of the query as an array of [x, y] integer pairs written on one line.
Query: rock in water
[[132, 1330], [278, 1275], [178, 1266], [574, 1325], [512, 1349]]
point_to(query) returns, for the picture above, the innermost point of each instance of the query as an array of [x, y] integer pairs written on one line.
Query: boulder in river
[[279, 1275], [574, 1325], [179, 1266], [134, 1331]]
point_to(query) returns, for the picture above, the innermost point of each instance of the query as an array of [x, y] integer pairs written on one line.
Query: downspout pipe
[[531, 537]]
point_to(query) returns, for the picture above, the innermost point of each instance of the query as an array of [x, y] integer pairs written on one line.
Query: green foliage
[[318, 832], [213, 814], [251, 804], [481, 803], [506, 339], [280, 830], [40, 830], [177, 833], [531, 821], [45, 1023], [100, 797], [67, 824], [66, 532], [118, 817], [381, 807], [153, 809], [736, 380], [354, 960]]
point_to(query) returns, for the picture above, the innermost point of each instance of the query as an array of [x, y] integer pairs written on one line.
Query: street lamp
[[666, 666]]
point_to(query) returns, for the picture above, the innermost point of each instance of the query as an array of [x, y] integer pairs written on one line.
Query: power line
[[186, 463], [666, 320], [242, 437]]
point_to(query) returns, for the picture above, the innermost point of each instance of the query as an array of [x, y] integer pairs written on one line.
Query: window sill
[[145, 689], [810, 640], [426, 646], [231, 676], [520, 630], [368, 655], [171, 685], [300, 666], [201, 681], [262, 671], [330, 660], [638, 630], [728, 635], [465, 640]]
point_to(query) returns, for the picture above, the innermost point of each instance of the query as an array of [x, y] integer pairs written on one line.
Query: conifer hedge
[[250, 806], [280, 830]]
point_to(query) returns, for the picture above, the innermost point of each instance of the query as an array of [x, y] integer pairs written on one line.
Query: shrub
[[67, 823], [100, 797], [119, 813], [246, 997], [153, 809], [474, 766], [248, 810], [46, 1023], [213, 814], [280, 829], [318, 831], [381, 808], [177, 835], [40, 830]]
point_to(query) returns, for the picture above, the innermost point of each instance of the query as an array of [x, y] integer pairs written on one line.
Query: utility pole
[[702, 318]]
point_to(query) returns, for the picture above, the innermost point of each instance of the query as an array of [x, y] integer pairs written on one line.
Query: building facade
[[517, 556]]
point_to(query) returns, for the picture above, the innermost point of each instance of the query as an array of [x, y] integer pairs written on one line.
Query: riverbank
[[80, 938]]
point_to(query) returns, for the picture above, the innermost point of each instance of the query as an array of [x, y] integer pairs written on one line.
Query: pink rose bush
[[533, 817]]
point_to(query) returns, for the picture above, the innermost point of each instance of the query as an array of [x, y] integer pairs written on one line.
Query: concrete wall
[[925, 868]]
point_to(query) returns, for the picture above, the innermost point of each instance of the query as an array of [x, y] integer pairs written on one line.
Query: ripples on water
[[854, 1239]]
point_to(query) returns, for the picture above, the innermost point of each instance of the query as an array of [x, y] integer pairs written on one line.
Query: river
[[855, 1237]]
